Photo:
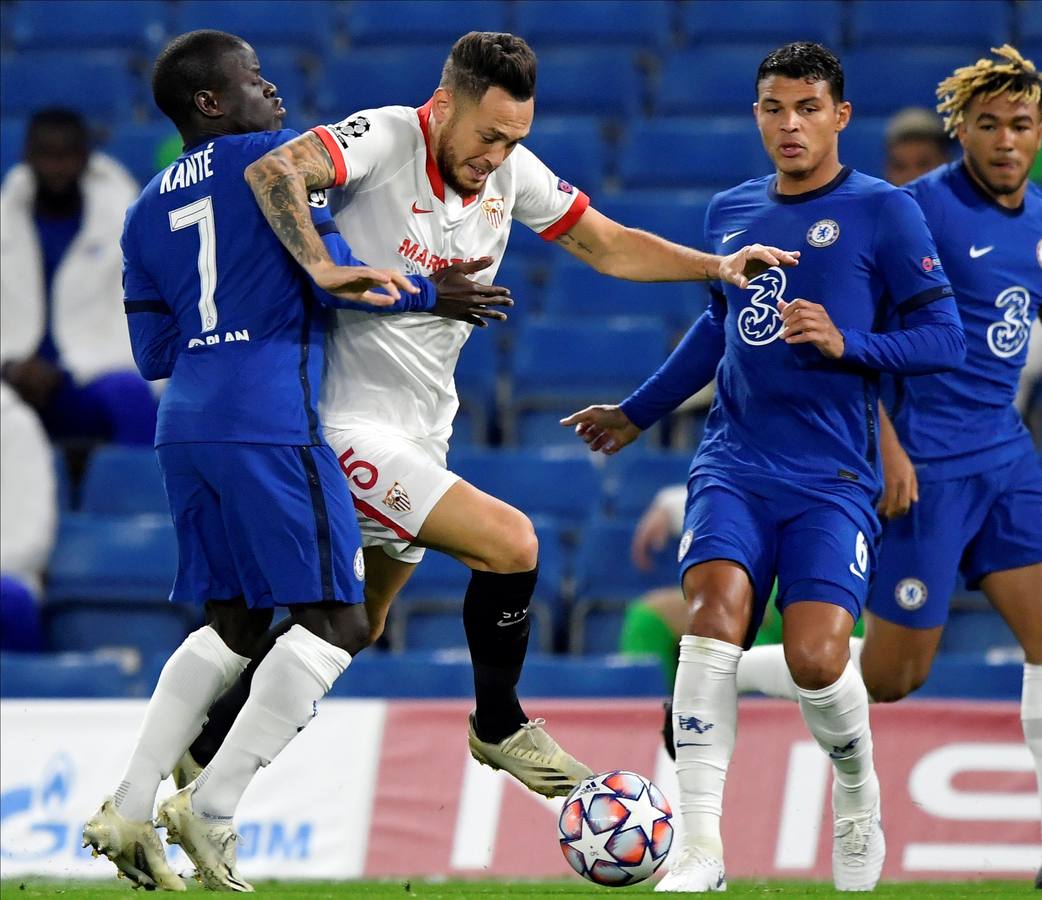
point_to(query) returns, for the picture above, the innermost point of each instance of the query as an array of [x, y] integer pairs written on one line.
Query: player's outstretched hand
[[362, 284], [604, 428], [465, 300], [804, 322], [754, 260], [900, 484]]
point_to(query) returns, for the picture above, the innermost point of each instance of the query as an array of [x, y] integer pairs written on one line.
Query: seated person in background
[[63, 338], [915, 144], [28, 511]]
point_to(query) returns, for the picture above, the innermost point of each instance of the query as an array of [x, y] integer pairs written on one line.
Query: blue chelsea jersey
[[785, 411], [197, 247], [963, 422]]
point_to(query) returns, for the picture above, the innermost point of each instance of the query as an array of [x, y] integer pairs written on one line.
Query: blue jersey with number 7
[[232, 319]]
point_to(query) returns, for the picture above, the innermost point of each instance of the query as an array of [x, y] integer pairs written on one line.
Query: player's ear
[[208, 104], [443, 104], [844, 111]]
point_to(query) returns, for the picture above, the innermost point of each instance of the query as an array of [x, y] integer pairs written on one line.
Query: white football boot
[[693, 872], [186, 770], [533, 758], [858, 851], [134, 848], [210, 845]]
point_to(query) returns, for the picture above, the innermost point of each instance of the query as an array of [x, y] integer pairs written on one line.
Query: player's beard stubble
[[449, 164]]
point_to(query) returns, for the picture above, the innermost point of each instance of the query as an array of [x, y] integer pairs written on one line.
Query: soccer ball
[[615, 828]]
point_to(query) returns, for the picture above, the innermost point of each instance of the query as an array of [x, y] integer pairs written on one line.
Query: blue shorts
[[976, 525], [272, 523], [818, 550]]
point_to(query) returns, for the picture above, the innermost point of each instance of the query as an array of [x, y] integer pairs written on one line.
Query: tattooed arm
[[636, 255], [280, 181]]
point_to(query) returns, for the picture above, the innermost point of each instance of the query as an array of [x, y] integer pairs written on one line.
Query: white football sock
[[837, 716], [197, 673], [705, 722], [297, 673], [1031, 716], [763, 670]]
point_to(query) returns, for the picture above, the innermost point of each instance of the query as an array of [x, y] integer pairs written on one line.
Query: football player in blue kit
[[261, 510], [786, 479], [958, 459]]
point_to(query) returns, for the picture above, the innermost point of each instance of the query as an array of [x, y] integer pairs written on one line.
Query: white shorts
[[395, 482]]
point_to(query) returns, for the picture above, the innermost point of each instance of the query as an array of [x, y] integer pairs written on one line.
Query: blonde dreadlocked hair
[[1012, 74]]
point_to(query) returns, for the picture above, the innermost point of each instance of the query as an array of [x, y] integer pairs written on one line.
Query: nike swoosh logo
[[855, 572], [730, 234], [690, 744], [974, 252], [503, 624], [417, 209]]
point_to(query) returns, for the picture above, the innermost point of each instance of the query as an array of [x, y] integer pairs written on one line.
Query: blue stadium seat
[[12, 142], [367, 79], [522, 277], [304, 24], [562, 361], [129, 559], [477, 375], [675, 216], [584, 82], [762, 22], [863, 144], [568, 23], [886, 23], [63, 675], [374, 22], [975, 631], [62, 480], [711, 81], [38, 25], [1029, 27], [542, 428], [283, 68], [612, 676], [911, 77], [561, 485], [685, 153], [100, 86], [85, 625], [606, 582], [574, 152], [140, 146], [121, 481], [632, 479], [577, 290]]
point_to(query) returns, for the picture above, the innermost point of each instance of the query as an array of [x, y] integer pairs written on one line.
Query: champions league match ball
[[615, 828]]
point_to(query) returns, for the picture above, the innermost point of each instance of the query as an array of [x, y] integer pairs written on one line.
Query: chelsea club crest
[[823, 233]]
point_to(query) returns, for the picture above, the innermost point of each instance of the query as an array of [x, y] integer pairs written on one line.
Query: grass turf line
[[12, 888]]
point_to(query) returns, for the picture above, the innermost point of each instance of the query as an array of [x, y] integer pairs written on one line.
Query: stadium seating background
[[646, 106]]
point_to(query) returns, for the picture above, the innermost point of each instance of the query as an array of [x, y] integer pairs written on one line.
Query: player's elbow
[[268, 168]]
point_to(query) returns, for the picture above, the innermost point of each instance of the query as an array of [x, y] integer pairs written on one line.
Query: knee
[[894, 685], [518, 547], [351, 630], [814, 667], [241, 628]]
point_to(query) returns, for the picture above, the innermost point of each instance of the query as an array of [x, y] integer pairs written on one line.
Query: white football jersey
[[392, 207]]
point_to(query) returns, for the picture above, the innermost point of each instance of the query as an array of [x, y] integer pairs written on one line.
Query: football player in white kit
[[419, 189]]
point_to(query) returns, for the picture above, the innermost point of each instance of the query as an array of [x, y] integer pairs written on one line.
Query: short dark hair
[[483, 59], [59, 118], [190, 63], [806, 60]]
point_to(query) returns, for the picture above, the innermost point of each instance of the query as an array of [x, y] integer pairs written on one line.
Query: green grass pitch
[[14, 889]]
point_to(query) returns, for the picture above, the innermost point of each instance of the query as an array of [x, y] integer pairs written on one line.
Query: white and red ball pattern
[[615, 828]]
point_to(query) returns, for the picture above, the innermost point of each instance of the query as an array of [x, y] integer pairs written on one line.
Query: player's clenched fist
[[753, 260], [804, 322], [604, 428]]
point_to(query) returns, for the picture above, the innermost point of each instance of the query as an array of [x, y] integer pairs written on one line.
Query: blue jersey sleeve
[[905, 256], [930, 339], [154, 336], [689, 368]]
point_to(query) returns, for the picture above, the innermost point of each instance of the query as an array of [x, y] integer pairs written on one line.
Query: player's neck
[[805, 182], [1013, 201]]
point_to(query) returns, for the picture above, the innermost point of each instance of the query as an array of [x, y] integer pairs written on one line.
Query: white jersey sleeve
[[548, 205], [363, 145]]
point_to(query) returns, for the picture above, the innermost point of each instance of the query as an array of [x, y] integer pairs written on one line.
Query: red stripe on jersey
[[371, 512], [423, 113], [563, 224], [333, 149]]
